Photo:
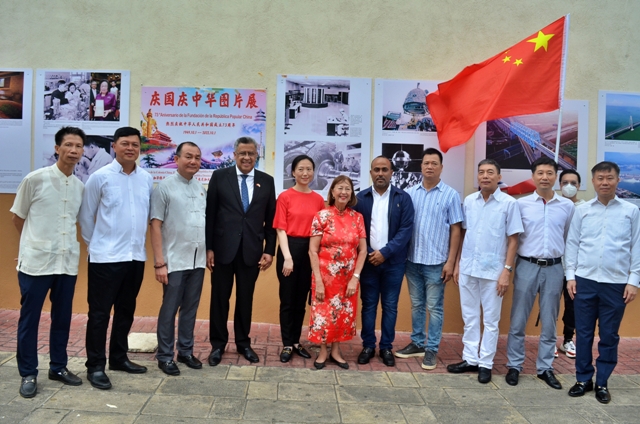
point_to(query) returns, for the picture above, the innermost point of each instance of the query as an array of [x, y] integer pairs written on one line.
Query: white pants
[[474, 294]]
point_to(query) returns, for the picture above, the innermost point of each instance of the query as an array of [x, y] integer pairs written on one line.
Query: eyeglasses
[[246, 154]]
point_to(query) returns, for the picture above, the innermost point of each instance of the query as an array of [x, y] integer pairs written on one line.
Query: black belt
[[542, 262]]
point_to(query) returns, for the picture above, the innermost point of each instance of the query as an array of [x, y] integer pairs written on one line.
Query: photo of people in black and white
[[11, 91], [97, 153], [331, 159], [317, 107], [406, 160]]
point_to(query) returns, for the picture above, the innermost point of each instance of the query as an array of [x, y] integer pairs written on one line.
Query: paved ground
[[273, 392]]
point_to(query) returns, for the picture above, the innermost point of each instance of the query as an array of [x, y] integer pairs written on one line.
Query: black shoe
[[343, 365], [285, 354], [99, 380], [169, 368], [512, 377], [366, 355], [387, 357], [190, 361], [461, 367], [128, 366], [249, 354], [548, 377], [580, 388], [301, 351], [215, 357], [602, 394], [484, 375], [66, 376], [319, 365], [29, 386]]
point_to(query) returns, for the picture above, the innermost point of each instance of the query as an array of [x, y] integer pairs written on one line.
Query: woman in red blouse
[[338, 249], [295, 209]]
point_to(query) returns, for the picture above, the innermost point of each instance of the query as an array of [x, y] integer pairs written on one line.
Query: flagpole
[[563, 72]]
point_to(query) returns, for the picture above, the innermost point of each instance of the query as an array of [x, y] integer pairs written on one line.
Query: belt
[[542, 262]]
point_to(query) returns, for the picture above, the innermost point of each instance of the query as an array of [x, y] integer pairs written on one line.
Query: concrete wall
[[246, 43]]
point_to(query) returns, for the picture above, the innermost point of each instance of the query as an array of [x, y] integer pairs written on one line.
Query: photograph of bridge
[[622, 116], [629, 163]]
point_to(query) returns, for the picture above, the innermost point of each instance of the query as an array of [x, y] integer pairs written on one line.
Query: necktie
[[244, 192]]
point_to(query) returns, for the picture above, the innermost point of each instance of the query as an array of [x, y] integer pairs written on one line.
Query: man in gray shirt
[[177, 237]]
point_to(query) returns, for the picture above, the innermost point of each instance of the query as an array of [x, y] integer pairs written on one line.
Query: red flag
[[521, 80]]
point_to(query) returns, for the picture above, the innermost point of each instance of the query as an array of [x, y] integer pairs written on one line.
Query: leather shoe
[[387, 357], [461, 367], [29, 386], [215, 357], [602, 394], [512, 377], [190, 361], [319, 365], [301, 351], [484, 375], [548, 377], [366, 355], [580, 388], [285, 354], [66, 376], [169, 368], [99, 380], [344, 365], [128, 366], [249, 354]]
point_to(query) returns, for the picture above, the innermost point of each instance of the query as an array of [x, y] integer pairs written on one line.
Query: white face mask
[[569, 190]]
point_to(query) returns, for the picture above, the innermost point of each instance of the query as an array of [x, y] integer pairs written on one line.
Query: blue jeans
[[426, 291], [382, 284]]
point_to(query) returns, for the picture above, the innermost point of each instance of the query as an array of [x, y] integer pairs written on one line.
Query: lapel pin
[[258, 185]]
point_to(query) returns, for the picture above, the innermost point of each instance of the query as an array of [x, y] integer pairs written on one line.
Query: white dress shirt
[[250, 177], [488, 224], [546, 225], [379, 230], [602, 244], [49, 202], [115, 213], [180, 204]]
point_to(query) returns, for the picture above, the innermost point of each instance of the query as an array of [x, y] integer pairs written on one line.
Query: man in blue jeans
[[388, 219], [432, 256]]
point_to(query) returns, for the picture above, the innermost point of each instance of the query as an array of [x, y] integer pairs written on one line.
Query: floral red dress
[[334, 319]]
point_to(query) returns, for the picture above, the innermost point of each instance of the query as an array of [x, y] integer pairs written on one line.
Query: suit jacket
[[400, 219], [227, 224]]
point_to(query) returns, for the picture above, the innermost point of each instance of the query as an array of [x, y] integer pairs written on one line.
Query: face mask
[[569, 190]]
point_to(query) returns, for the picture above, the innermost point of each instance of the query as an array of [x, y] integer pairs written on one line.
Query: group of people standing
[[359, 244]]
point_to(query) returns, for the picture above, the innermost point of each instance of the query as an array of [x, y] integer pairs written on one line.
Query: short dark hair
[[70, 84], [70, 131], [489, 162], [61, 82], [244, 140], [186, 143], [299, 159], [605, 166], [570, 172], [543, 160], [126, 132], [337, 180], [432, 151]]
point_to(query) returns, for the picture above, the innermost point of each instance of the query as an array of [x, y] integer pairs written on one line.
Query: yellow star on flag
[[518, 62], [542, 40], [506, 59]]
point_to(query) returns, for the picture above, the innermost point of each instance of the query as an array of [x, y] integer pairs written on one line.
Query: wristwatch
[[356, 275], [508, 268]]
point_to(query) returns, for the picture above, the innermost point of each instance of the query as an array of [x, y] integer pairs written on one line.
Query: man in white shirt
[[483, 270], [45, 211], [602, 262], [177, 237], [545, 218], [114, 218]]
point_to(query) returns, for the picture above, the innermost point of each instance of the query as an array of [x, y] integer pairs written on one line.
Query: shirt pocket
[[35, 255], [112, 197]]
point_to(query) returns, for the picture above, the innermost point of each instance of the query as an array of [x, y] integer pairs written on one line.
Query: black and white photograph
[[331, 159], [316, 107], [97, 153], [406, 160]]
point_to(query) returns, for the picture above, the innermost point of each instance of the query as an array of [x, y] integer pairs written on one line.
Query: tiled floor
[[267, 343]]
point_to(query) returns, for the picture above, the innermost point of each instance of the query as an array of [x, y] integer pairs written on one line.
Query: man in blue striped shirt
[[432, 255]]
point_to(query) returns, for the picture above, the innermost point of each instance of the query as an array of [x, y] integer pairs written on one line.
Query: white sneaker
[[555, 353], [569, 348]]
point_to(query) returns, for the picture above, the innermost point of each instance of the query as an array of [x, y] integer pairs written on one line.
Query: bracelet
[[159, 266]]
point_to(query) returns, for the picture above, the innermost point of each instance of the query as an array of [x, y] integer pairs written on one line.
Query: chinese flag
[[521, 80]]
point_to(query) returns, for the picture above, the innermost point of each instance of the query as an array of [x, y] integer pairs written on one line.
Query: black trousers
[[568, 317], [221, 286], [111, 285], [294, 290]]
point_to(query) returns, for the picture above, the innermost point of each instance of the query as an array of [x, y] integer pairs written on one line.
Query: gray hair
[[244, 140]]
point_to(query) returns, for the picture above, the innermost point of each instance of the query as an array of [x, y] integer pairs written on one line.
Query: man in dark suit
[[388, 219], [241, 241], [93, 93]]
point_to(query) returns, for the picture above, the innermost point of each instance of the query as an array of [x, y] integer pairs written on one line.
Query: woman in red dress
[[337, 249]]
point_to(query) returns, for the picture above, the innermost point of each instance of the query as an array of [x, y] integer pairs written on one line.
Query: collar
[[614, 200], [376, 194], [58, 173], [251, 173], [118, 168], [497, 195], [439, 186], [183, 179], [538, 197]]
